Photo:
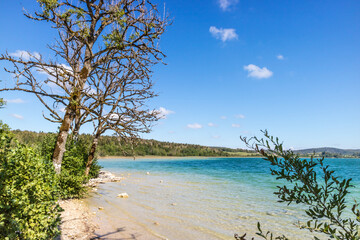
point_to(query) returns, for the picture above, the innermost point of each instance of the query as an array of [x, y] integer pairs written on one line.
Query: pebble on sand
[[123, 195]]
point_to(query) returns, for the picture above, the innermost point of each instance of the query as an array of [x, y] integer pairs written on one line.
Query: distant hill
[[111, 146], [330, 152]]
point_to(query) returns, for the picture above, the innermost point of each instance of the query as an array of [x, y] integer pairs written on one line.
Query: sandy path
[[76, 220]]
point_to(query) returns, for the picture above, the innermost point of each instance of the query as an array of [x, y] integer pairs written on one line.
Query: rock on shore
[[103, 177]]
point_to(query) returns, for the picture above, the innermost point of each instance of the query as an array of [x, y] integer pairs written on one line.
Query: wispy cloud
[[223, 117], [16, 100], [17, 116], [212, 124], [241, 116], [163, 112], [234, 125], [257, 72], [224, 34], [226, 4], [25, 55], [194, 126], [216, 136], [280, 57]]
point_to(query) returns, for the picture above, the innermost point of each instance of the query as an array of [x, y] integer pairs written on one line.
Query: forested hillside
[[330, 152], [112, 146]]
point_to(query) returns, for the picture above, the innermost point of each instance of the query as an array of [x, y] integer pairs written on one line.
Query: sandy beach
[[81, 223], [83, 219]]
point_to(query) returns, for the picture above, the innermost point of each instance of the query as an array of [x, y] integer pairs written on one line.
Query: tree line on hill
[[113, 146]]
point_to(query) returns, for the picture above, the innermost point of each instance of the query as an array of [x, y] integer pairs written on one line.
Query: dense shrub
[[72, 178], [28, 192]]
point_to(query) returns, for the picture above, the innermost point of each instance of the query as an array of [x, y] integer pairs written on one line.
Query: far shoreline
[[172, 157], [201, 157]]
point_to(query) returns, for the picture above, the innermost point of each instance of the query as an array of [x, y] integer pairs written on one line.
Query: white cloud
[[226, 4], [17, 116], [114, 116], [241, 116], [280, 57], [162, 112], [24, 55], [234, 125], [223, 117], [216, 136], [194, 126], [257, 72], [224, 34], [16, 100], [212, 124], [63, 110]]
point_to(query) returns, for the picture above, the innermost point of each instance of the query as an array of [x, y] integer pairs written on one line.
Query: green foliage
[[2, 103], [28, 192], [111, 146], [71, 180], [312, 184], [47, 6]]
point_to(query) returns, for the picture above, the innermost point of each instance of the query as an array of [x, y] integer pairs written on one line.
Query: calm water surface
[[206, 198]]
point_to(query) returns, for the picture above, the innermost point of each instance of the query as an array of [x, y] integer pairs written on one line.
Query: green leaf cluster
[[312, 184], [47, 6], [71, 180], [28, 192]]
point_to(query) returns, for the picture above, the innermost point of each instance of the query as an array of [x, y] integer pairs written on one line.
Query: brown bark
[[61, 141], [92, 153], [60, 146]]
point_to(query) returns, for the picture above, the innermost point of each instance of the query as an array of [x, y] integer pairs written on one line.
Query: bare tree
[[117, 103], [91, 33]]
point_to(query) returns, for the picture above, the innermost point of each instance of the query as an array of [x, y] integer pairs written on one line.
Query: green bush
[[28, 192], [72, 178]]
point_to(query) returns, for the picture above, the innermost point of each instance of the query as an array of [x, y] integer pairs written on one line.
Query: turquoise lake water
[[207, 198]]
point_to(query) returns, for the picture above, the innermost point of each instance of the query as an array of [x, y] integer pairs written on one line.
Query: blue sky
[[233, 68]]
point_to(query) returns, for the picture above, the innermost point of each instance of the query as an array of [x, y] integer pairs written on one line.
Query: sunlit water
[[206, 198]]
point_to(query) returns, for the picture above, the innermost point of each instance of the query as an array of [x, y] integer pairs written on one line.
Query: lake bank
[[170, 157], [197, 199]]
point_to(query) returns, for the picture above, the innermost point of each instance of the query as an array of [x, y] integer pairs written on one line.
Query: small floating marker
[[147, 173], [100, 208], [161, 181]]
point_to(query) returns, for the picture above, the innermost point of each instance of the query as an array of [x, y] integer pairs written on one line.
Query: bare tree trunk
[[92, 153], [61, 141], [75, 133], [70, 113]]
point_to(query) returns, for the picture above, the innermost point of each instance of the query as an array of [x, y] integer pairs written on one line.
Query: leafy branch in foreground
[[311, 184]]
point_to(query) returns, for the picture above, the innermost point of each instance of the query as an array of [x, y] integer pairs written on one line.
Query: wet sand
[[92, 218], [116, 227], [83, 222]]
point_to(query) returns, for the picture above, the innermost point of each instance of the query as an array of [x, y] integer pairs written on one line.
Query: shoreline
[[172, 157], [201, 157], [82, 220]]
